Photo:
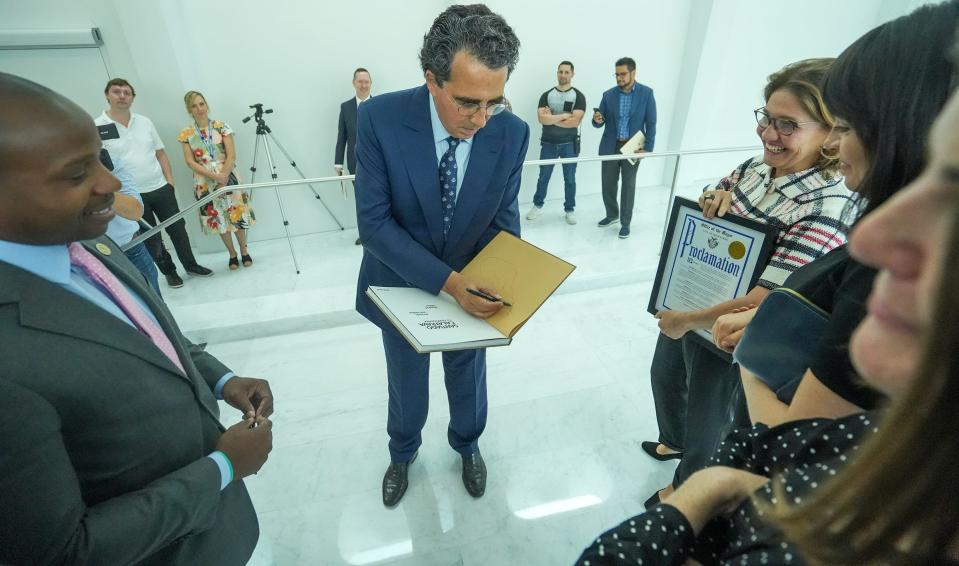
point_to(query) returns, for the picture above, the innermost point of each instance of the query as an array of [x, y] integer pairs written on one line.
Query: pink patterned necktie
[[99, 273]]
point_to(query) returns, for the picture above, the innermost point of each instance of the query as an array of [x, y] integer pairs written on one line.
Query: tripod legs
[[302, 176], [279, 201]]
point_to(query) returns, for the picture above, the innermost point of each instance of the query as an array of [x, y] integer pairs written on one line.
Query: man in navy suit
[[627, 108], [438, 175], [346, 130]]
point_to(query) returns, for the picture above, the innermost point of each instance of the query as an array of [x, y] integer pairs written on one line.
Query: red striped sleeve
[[832, 238]]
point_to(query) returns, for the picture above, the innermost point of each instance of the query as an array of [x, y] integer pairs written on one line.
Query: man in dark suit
[[627, 108], [422, 222], [346, 131], [113, 452]]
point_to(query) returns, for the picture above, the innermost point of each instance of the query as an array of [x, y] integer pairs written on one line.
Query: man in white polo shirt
[[133, 138]]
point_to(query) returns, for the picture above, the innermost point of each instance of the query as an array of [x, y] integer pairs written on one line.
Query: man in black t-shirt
[[561, 109]]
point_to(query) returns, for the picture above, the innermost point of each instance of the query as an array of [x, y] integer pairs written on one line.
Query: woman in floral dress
[[209, 151]]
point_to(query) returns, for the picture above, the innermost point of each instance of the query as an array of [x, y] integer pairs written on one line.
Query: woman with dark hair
[[899, 499], [880, 139], [794, 187]]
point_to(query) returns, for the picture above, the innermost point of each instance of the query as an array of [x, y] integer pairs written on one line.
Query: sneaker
[[607, 222], [198, 270], [534, 212], [173, 280], [571, 218], [624, 232]]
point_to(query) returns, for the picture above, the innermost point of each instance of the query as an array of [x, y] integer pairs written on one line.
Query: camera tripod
[[264, 135]]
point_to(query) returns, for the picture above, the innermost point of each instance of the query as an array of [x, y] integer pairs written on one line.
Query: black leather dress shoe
[[396, 481], [474, 474], [650, 448]]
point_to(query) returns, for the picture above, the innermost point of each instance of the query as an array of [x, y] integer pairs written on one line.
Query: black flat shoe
[[247, 260], [652, 501], [396, 481], [474, 474], [234, 264], [650, 449]]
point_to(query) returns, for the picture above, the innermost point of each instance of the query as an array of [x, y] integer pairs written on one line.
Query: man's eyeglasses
[[470, 108], [782, 125]]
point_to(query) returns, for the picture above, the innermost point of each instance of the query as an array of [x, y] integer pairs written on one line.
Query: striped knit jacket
[[812, 211]]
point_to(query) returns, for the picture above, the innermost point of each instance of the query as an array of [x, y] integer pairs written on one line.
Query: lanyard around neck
[[206, 136]]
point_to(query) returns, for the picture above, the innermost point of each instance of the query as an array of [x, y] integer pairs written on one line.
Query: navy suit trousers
[[408, 377]]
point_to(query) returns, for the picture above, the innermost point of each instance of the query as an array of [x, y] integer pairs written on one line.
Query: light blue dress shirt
[[462, 153], [53, 264], [120, 229]]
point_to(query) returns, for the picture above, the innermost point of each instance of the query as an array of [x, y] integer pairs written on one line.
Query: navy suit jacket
[[346, 135], [642, 117], [398, 195]]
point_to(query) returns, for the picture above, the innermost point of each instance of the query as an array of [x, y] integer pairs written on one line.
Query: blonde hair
[[188, 99], [804, 80]]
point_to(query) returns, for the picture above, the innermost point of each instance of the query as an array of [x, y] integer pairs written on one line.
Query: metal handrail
[[533, 162]]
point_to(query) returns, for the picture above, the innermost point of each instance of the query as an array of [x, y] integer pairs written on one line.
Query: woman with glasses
[[797, 189]]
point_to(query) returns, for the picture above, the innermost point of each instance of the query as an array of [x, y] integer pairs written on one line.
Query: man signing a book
[[438, 173]]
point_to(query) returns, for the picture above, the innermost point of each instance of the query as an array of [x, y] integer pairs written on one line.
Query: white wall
[[706, 60], [647, 32], [745, 41]]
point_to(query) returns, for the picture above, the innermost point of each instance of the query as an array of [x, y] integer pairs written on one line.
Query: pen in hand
[[487, 296]]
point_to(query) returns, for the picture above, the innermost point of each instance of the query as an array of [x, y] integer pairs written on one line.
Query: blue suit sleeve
[[381, 234], [602, 110], [650, 121], [507, 217]]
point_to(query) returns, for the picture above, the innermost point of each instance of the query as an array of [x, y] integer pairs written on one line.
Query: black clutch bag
[[779, 343]]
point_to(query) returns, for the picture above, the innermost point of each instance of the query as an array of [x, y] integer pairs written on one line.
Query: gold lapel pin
[[103, 249]]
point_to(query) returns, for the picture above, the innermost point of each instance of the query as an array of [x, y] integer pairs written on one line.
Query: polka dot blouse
[[800, 456]]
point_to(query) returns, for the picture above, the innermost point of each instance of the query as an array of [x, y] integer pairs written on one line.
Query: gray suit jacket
[[103, 441], [346, 135]]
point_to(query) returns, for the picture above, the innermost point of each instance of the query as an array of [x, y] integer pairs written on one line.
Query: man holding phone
[[627, 108], [561, 109]]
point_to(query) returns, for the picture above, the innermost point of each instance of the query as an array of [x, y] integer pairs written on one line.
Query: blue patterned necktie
[[448, 183]]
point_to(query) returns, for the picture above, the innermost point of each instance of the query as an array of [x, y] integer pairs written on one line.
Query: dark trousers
[[714, 403], [611, 174], [554, 151], [159, 205], [408, 378], [668, 379], [140, 257]]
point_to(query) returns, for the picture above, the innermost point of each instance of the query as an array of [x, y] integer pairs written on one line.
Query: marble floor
[[569, 403]]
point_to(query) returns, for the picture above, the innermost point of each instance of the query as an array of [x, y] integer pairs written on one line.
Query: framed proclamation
[[705, 262]]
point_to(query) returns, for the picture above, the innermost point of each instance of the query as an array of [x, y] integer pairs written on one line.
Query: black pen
[[489, 298]]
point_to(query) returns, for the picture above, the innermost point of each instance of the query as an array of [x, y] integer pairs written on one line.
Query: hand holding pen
[[487, 296], [474, 298]]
